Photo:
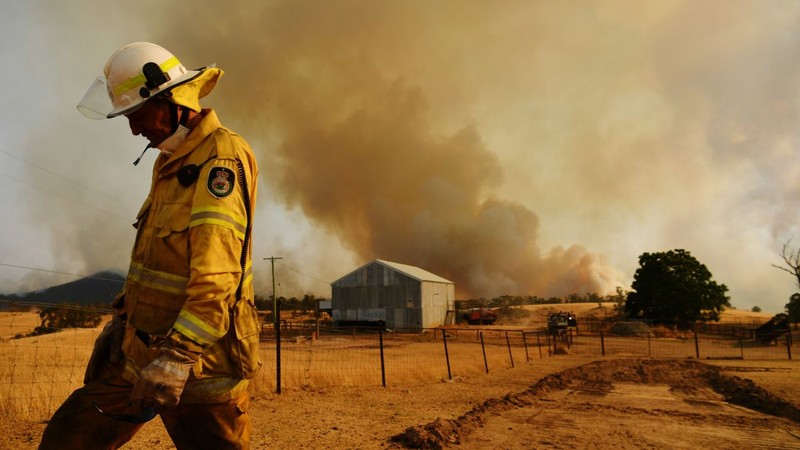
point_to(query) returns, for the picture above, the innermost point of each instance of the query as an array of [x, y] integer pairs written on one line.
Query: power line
[[57, 194], [60, 273], [304, 274], [57, 305], [44, 169], [66, 198]]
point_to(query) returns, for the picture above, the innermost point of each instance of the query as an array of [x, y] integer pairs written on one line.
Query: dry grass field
[[13, 323], [563, 402], [333, 397], [602, 310]]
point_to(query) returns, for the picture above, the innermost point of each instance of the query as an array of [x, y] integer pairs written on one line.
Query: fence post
[[483, 348], [649, 346], [602, 345], [510, 355], [547, 340], [525, 342], [696, 343], [278, 346], [539, 344], [789, 342], [383, 366], [446, 354]]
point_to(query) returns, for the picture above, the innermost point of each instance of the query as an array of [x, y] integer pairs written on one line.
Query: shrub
[[57, 317], [630, 329]]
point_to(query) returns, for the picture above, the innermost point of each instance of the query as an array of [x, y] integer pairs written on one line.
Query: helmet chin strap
[[175, 116]]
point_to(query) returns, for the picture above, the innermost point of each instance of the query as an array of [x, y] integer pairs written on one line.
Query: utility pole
[[274, 298]]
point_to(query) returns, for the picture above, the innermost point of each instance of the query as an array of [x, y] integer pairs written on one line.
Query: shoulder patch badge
[[220, 181]]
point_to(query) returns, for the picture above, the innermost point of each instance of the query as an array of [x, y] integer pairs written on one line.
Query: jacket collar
[[166, 165]]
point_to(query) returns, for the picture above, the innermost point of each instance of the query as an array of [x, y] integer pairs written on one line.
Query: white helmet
[[133, 74]]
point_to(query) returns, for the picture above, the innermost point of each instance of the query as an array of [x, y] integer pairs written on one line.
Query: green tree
[[309, 301], [69, 316], [473, 303], [262, 303], [618, 299], [675, 288], [503, 302], [793, 308], [756, 309]]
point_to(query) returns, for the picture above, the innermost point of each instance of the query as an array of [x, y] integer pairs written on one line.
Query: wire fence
[[39, 371]]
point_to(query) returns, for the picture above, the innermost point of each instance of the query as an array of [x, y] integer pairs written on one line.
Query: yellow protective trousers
[[78, 425]]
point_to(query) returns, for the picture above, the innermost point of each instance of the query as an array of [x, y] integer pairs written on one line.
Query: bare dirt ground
[[629, 404], [565, 401], [560, 402]]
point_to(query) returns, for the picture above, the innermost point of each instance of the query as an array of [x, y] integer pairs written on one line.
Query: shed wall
[[436, 298], [377, 292]]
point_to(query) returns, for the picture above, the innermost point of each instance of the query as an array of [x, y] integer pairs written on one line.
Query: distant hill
[[100, 288]]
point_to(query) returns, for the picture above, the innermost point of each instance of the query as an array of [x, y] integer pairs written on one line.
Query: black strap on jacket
[[248, 230]]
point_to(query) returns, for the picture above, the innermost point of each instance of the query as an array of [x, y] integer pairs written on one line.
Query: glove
[[107, 348], [161, 382]]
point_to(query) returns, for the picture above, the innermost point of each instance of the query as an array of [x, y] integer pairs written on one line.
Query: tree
[[675, 288], [793, 308], [791, 258], [309, 301], [618, 299], [69, 316], [263, 304], [756, 309]]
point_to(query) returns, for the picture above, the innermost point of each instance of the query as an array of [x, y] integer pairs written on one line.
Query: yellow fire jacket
[[187, 264]]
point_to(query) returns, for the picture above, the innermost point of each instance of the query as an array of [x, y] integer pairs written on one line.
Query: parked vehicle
[[558, 323], [480, 316]]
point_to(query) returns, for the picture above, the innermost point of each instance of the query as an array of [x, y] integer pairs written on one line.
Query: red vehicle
[[480, 316]]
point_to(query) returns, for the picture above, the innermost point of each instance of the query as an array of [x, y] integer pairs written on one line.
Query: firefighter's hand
[[161, 382], [107, 349]]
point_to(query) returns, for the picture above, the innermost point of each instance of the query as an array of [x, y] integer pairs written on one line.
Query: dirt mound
[[599, 376]]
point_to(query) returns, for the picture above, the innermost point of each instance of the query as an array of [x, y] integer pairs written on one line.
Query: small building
[[401, 296]]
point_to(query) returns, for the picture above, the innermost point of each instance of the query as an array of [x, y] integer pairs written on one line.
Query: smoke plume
[[516, 147], [362, 153]]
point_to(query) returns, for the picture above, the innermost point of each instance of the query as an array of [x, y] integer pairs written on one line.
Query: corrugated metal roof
[[410, 271], [413, 272]]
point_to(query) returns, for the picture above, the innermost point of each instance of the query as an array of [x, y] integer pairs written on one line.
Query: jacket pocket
[[243, 342], [173, 218]]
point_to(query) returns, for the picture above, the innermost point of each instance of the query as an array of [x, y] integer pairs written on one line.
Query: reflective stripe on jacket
[[186, 263]]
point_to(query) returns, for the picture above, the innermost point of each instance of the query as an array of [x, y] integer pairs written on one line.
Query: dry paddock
[[522, 394]]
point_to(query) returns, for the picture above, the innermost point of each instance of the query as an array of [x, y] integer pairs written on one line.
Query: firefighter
[[183, 340]]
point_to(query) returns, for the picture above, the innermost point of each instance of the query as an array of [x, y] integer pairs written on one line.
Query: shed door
[[399, 317]]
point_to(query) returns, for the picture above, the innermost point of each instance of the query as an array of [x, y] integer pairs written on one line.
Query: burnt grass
[[678, 374]]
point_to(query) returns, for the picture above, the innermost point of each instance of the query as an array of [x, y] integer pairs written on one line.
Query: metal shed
[[402, 296]]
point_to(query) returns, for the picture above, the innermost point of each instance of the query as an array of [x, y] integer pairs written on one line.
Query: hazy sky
[[530, 147]]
